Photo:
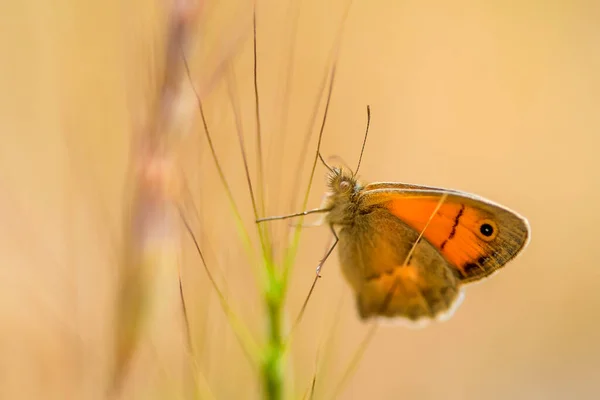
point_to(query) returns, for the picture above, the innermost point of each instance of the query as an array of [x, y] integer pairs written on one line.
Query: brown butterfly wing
[[476, 236], [389, 279]]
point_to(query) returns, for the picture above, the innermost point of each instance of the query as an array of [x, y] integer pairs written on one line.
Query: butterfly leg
[[318, 275], [300, 214], [328, 253]]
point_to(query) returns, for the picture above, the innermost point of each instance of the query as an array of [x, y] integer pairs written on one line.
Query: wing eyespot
[[488, 230]]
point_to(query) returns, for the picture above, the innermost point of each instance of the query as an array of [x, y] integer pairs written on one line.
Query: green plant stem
[[273, 363]]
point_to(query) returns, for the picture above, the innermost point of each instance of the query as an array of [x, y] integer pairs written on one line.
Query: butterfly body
[[406, 250]]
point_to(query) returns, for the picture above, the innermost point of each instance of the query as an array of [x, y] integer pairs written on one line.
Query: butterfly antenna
[[364, 140], [324, 163]]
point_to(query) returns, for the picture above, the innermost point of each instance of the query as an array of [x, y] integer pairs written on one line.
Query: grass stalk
[[277, 276]]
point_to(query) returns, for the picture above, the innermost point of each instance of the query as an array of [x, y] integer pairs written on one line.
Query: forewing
[[476, 236]]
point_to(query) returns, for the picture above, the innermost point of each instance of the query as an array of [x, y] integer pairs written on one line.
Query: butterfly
[[407, 250]]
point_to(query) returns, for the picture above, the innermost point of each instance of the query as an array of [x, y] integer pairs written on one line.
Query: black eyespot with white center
[[486, 230]]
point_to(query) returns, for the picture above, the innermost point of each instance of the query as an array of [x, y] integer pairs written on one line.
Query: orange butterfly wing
[[474, 235]]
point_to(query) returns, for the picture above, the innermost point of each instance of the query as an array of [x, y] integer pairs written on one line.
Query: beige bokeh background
[[497, 98]]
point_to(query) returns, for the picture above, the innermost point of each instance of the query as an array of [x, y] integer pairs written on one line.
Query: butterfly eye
[[488, 230], [344, 185]]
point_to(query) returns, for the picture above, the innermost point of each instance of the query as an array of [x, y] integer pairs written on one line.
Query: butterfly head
[[343, 192], [342, 183]]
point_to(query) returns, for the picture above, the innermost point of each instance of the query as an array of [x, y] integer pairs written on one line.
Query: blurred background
[[496, 98]]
